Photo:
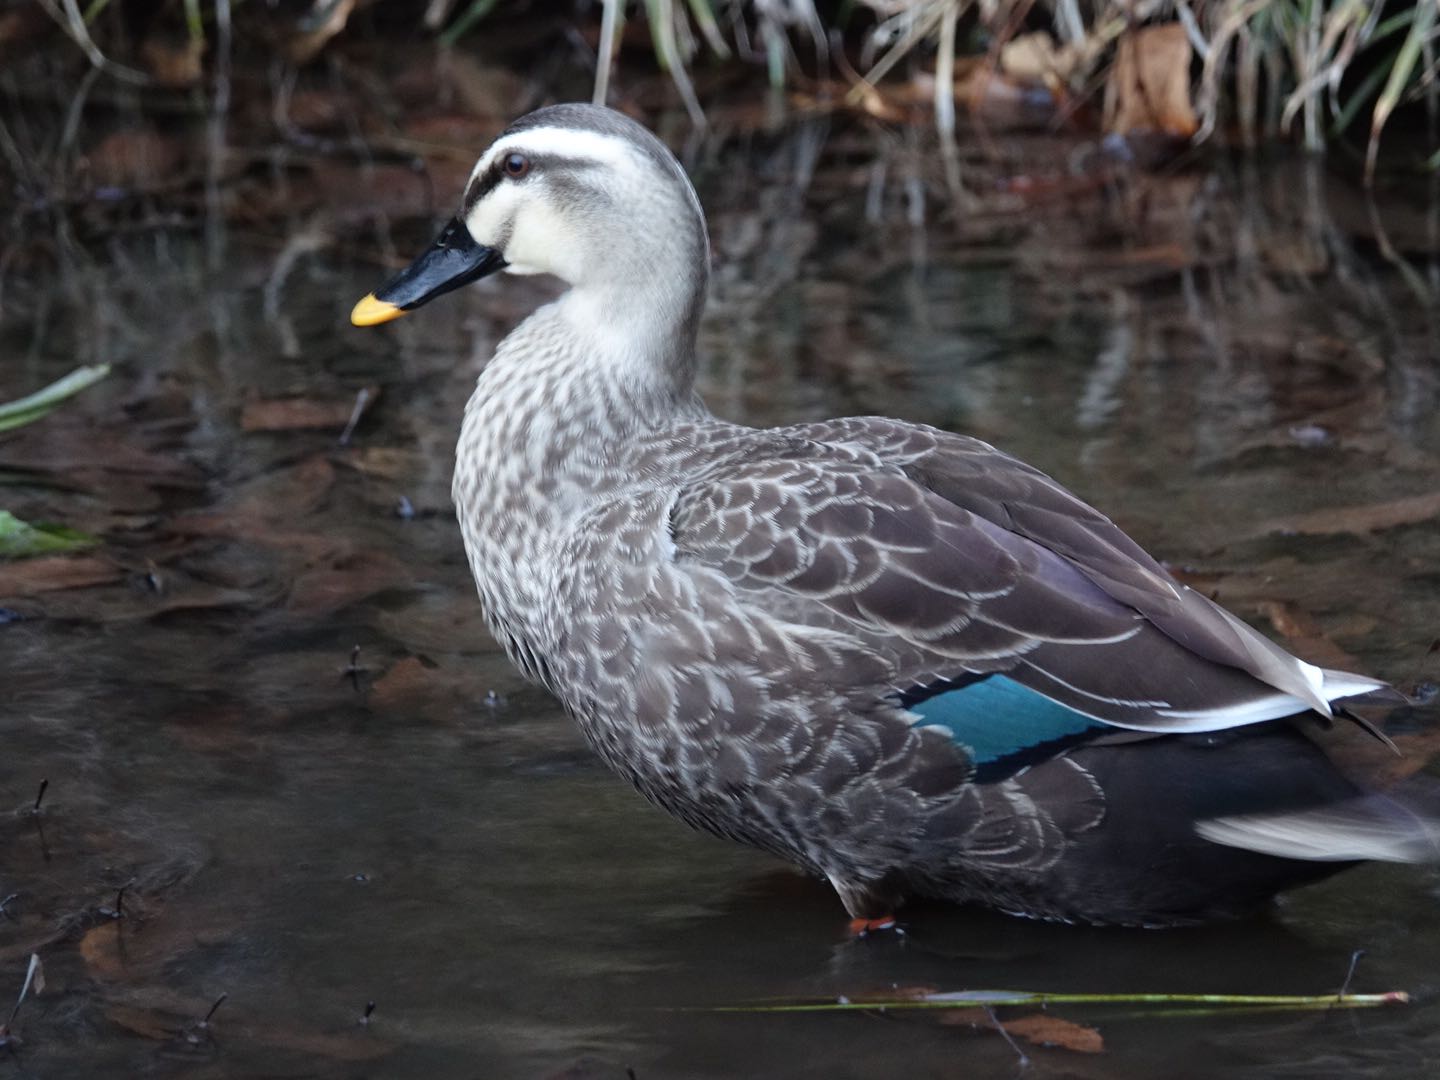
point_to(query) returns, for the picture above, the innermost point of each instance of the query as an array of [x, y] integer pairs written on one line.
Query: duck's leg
[[871, 905], [865, 927]]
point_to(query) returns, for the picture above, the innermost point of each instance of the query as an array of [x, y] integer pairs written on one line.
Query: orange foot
[[864, 927]]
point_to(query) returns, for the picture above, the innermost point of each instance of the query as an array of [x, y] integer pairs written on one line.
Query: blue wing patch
[[1004, 725]]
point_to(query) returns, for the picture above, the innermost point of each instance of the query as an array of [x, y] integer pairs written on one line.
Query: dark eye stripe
[[495, 175]]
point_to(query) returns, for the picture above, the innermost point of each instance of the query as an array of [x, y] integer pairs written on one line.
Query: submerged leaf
[[56, 572], [19, 539], [1043, 1029], [296, 414], [1367, 518]]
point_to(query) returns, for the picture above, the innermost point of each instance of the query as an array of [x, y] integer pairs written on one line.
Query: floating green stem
[[990, 999]]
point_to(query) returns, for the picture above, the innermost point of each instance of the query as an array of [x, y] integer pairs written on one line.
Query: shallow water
[[1234, 363]]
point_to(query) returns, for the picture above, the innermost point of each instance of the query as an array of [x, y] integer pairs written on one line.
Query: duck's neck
[[585, 374], [546, 435], [552, 414]]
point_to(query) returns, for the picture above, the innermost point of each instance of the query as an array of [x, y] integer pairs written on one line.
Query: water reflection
[[1213, 357]]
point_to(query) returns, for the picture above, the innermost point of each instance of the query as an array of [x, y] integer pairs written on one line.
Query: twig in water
[[34, 976], [998, 1026], [40, 796], [362, 402], [5, 905], [40, 832], [1350, 974], [201, 1031], [118, 911], [364, 1020], [353, 670]]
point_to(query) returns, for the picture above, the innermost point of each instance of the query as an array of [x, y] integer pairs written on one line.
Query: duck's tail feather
[[1385, 828]]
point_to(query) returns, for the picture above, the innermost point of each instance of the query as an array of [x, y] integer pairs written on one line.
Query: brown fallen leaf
[[1149, 84], [1305, 637], [151, 937], [286, 494], [1372, 760], [162, 1015], [446, 619], [62, 448], [264, 533], [104, 949], [382, 462], [407, 679], [30, 577], [175, 63], [1042, 1029], [298, 414], [1367, 518], [1003, 102], [134, 159], [352, 577], [358, 1044], [324, 110], [147, 1023]]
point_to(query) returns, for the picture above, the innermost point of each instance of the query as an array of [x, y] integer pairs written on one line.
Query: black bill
[[454, 259]]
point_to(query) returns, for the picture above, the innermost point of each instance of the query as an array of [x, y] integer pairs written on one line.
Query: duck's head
[[578, 191]]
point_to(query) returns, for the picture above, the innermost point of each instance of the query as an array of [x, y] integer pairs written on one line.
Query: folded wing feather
[[951, 557]]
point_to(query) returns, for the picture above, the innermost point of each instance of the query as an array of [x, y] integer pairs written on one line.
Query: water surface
[[1239, 363]]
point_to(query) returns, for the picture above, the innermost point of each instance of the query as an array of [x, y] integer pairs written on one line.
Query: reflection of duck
[[890, 654]]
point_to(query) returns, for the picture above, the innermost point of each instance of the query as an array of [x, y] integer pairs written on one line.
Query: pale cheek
[[487, 218], [541, 244]]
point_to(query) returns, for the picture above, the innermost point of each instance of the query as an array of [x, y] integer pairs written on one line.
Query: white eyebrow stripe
[[565, 142]]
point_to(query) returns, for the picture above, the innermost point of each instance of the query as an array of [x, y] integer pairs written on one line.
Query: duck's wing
[[956, 563]]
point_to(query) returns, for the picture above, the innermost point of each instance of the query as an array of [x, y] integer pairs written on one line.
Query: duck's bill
[[454, 259]]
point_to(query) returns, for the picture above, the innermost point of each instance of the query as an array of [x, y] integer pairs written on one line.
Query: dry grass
[[1264, 69]]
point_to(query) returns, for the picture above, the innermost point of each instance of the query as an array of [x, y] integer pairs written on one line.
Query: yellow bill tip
[[373, 312]]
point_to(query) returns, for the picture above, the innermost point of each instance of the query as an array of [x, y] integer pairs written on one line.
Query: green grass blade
[[473, 14], [1357, 99], [661, 15], [1405, 61], [194, 22], [21, 540], [14, 414], [705, 19]]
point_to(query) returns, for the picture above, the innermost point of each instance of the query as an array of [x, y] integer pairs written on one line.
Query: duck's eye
[[516, 166]]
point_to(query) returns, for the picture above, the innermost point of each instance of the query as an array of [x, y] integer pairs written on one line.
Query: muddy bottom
[[281, 748]]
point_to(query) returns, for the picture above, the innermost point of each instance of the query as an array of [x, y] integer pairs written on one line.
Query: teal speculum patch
[[1003, 725]]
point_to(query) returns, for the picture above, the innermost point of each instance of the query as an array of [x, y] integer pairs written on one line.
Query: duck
[[889, 654]]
